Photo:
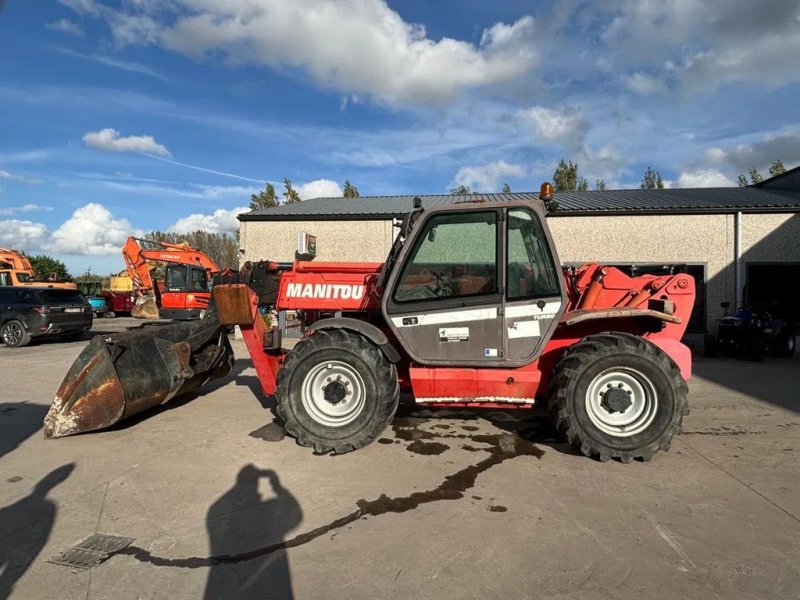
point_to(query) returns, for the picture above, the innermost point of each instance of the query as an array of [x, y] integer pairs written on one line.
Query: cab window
[[531, 272], [175, 279], [455, 256], [198, 281]]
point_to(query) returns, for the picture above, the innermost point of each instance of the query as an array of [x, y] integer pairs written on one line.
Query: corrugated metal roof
[[682, 200]]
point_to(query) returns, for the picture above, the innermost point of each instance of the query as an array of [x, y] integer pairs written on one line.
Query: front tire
[[616, 395], [14, 334], [336, 391]]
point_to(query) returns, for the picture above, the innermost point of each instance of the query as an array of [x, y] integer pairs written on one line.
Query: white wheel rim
[[333, 393], [628, 410]]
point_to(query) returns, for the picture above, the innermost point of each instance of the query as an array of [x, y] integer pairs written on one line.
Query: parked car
[[37, 312]]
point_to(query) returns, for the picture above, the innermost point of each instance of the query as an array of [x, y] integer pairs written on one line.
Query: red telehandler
[[186, 279], [470, 309]]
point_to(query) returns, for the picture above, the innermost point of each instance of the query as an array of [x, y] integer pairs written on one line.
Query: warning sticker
[[453, 334]]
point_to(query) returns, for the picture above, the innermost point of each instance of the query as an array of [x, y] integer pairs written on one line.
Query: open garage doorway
[[776, 288]]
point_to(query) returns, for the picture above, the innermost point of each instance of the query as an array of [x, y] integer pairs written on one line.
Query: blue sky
[[134, 115]]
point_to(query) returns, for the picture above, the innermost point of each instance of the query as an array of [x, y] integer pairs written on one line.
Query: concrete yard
[[446, 505]]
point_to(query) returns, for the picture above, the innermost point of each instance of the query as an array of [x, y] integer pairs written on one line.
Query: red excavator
[[186, 279], [470, 309]]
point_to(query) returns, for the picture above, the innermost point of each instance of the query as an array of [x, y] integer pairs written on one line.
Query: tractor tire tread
[[385, 377], [585, 352]]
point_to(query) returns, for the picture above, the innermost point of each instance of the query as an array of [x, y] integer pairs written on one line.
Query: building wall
[[771, 238], [699, 239], [358, 241]]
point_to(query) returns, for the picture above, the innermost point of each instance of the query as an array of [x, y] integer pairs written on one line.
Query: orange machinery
[[16, 270], [186, 290]]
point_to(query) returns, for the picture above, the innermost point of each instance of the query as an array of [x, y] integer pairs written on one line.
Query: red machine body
[[595, 294]]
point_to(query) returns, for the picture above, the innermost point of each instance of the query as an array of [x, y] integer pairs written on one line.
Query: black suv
[[28, 312]]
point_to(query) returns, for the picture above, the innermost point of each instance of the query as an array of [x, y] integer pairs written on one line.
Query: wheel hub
[[333, 393], [616, 400], [621, 401]]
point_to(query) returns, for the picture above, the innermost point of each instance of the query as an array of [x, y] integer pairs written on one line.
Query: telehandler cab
[[470, 309]]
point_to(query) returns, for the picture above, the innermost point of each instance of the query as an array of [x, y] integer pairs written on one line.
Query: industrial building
[[737, 242]]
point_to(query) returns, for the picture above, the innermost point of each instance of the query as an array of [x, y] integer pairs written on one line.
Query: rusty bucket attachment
[[145, 307], [126, 373]]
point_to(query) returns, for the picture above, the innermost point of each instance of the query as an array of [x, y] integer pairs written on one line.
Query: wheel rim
[[12, 334], [333, 393], [621, 402]]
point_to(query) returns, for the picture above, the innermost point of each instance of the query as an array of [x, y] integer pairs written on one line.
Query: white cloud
[[350, 46], [319, 188], [88, 7], [702, 178], [66, 26], [13, 177], [485, 178], [24, 235], [109, 140], [220, 221], [566, 125], [25, 208], [91, 229], [760, 153], [644, 84]]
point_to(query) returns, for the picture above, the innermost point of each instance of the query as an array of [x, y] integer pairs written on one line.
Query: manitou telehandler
[[470, 309]]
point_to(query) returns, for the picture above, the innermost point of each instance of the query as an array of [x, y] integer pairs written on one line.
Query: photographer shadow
[[241, 520]]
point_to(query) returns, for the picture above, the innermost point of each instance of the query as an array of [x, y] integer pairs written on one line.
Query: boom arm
[[136, 259]]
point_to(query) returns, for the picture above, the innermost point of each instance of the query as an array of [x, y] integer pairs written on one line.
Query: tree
[[460, 190], [222, 248], [583, 184], [600, 184], [565, 177], [777, 168], [48, 268], [742, 180], [290, 194], [652, 180], [506, 188], [350, 191], [264, 199]]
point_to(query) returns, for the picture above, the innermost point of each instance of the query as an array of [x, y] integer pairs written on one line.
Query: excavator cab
[[185, 294]]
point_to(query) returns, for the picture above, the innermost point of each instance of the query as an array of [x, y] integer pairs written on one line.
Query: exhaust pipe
[[121, 375]]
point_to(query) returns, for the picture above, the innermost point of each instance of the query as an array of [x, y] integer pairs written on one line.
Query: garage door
[[775, 287]]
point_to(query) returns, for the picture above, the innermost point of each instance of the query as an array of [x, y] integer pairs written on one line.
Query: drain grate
[[91, 551]]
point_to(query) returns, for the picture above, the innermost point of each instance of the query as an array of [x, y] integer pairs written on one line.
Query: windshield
[[55, 296]]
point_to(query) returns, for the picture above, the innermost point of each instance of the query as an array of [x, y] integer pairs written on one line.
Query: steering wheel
[[444, 286]]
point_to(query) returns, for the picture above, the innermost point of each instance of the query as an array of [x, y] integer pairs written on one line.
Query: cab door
[[443, 300], [175, 287], [534, 291]]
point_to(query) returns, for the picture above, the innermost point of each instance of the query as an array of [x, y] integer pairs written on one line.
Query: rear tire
[[14, 334], [635, 420], [336, 391], [784, 344]]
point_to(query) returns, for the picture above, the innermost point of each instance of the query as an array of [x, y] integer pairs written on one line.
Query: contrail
[[223, 173]]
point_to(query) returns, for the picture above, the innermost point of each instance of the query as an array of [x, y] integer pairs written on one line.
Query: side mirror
[[432, 234]]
